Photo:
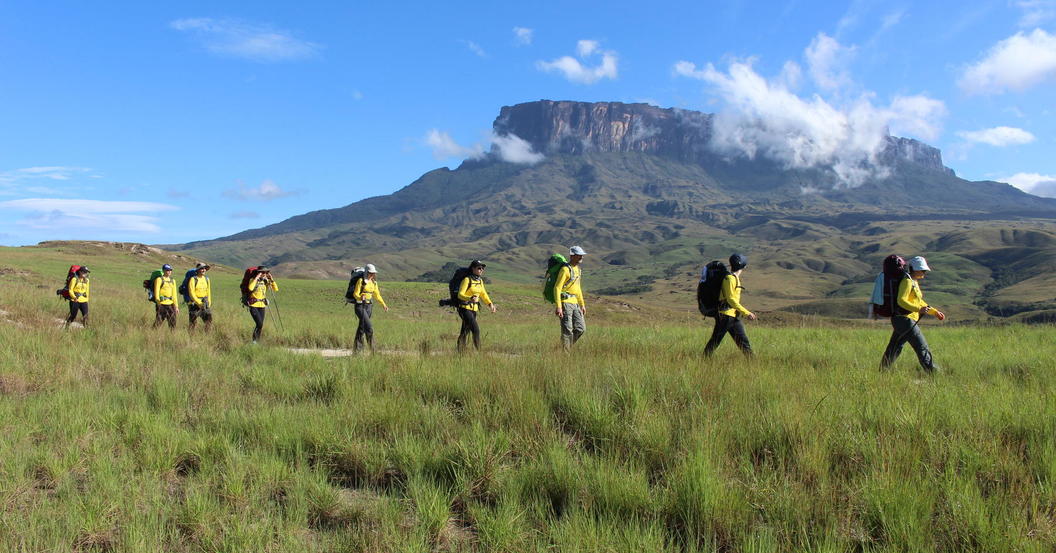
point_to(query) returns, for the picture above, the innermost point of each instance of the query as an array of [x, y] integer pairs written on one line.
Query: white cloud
[[765, 118], [49, 213], [475, 48], [445, 147], [509, 147], [514, 149], [1016, 63], [999, 136], [1034, 183], [239, 39], [45, 173], [1036, 12], [575, 71], [827, 62], [267, 191], [523, 35]]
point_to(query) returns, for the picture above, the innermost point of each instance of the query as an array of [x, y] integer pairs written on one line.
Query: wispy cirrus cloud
[[1036, 12], [523, 35], [765, 117], [57, 213], [475, 48], [999, 136], [265, 192], [1016, 63], [251, 41], [40, 180], [574, 69]]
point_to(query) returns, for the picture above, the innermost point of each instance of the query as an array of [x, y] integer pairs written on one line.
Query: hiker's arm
[[208, 292], [729, 289], [485, 298], [929, 310], [157, 290], [357, 292], [563, 275], [905, 297], [274, 285], [463, 290], [377, 296]]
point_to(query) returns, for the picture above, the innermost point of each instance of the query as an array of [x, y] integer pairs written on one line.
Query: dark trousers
[[258, 317], [165, 313], [726, 324], [469, 325], [76, 307], [904, 329], [365, 330], [194, 312]]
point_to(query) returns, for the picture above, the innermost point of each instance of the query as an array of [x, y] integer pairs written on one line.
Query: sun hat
[[370, 268], [201, 265]]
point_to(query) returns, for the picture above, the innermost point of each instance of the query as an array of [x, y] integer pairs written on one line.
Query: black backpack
[[894, 273], [452, 287], [709, 288], [350, 293]]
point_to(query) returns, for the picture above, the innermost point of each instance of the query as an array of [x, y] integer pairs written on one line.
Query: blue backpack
[[185, 286]]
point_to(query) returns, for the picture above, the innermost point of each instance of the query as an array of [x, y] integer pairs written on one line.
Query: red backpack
[[64, 292], [247, 277]]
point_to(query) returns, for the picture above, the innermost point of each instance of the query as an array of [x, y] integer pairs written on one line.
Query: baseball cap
[[477, 263], [738, 262], [576, 250], [166, 267], [918, 263]]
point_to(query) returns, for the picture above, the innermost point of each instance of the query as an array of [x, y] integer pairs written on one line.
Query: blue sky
[[171, 122]]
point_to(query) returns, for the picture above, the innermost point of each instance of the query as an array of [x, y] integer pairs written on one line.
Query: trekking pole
[[277, 314]]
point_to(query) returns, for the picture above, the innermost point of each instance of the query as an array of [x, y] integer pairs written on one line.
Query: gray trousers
[[365, 330], [572, 325], [905, 330]]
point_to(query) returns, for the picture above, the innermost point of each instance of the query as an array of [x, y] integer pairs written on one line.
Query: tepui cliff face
[[564, 127]]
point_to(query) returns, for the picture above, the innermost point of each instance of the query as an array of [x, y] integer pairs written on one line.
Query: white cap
[[370, 268], [918, 263], [576, 250]]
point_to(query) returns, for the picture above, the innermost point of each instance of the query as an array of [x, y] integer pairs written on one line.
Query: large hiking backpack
[[710, 287], [247, 277], [64, 292], [894, 272], [350, 292], [148, 284], [452, 287], [553, 268], [185, 286]]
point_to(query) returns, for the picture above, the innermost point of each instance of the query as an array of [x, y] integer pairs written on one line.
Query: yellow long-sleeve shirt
[[567, 287], [911, 298], [367, 290], [165, 291], [260, 292], [79, 288], [731, 294], [473, 287], [200, 290]]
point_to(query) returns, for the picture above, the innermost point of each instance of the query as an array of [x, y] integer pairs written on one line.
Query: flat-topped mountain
[[651, 195]]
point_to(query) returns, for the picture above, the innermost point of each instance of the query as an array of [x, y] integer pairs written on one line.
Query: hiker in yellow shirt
[[571, 309], [904, 323], [79, 288], [365, 293], [165, 306], [257, 301], [200, 294], [728, 319], [471, 294]]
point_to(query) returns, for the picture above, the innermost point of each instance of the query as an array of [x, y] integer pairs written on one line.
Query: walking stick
[[277, 314]]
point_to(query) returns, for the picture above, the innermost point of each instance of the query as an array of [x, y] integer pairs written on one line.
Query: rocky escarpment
[[563, 127]]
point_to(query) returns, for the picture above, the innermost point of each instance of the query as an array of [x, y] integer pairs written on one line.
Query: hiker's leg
[[83, 307], [722, 323], [464, 331], [360, 328], [157, 316], [920, 345], [258, 318], [207, 317], [740, 337], [368, 325], [73, 314], [899, 329], [172, 316], [579, 324], [567, 331], [192, 316], [474, 327]]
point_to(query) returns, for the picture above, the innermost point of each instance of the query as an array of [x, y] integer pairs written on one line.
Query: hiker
[[200, 298], [905, 320], [77, 291], [728, 318], [256, 299], [364, 293], [471, 293], [165, 306], [571, 309]]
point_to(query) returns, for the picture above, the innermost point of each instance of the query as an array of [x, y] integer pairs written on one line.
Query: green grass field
[[123, 438]]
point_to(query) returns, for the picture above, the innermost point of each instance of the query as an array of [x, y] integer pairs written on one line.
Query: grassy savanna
[[123, 438]]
